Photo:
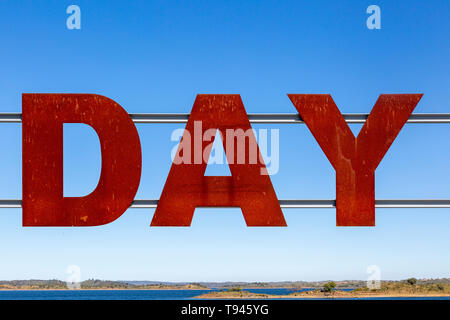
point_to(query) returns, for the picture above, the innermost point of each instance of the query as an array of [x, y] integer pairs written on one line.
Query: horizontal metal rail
[[286, 118], [283, 118], [293, 204]]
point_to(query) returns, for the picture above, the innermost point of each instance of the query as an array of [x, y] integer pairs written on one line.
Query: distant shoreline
[[317, 297], [237, 290], [100, 289], [303, 295]]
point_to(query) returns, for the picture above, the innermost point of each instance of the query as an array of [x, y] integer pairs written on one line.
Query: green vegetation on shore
[[92, 284], [406, 288], [409, 287]]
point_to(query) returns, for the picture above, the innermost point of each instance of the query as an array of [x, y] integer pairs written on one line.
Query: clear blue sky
[[156, 56]]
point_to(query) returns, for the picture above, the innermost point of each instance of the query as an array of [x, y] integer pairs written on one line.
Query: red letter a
[[355, 160], [43, 116], [187, 187]]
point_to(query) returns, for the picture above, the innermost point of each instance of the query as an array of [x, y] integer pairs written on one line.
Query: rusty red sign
[[187, 187], [43, 116], [249, 187], [355, 159]]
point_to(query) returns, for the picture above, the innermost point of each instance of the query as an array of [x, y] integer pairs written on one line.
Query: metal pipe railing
[[281, 118], [292, 204]]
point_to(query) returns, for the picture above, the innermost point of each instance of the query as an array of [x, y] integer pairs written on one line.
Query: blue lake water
[[119, 294], [143, 294]]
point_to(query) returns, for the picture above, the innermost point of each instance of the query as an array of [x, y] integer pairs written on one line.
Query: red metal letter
[[355, 160], [43, 116], [187, 188]]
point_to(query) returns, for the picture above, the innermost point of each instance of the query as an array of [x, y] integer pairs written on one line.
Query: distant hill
[[277, 284], [92, 284], [155, 285]]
